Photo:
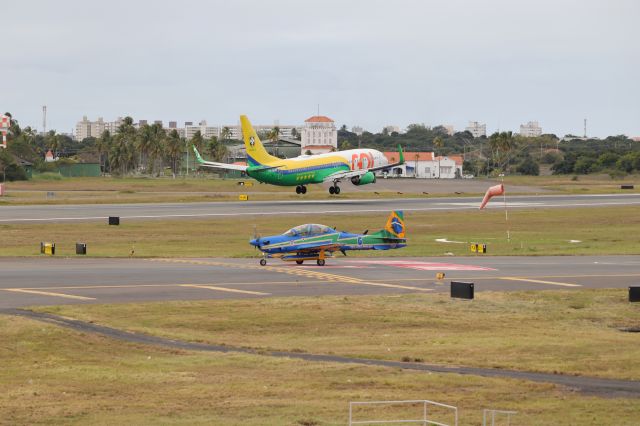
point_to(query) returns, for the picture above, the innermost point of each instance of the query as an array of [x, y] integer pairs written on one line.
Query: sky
[[368, 63]]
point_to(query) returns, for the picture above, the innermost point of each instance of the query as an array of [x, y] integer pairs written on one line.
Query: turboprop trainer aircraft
[[317, 242], [357, 165]]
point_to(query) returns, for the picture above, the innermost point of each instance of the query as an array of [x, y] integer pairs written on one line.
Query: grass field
[[533, 232], [574, 332], [50, 375], [101, 190]]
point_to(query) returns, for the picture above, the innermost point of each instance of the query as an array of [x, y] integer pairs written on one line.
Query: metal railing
[[425, 420], [486, 412]]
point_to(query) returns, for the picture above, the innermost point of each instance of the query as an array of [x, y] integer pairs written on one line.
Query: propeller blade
[[343, 252], [365, 232]]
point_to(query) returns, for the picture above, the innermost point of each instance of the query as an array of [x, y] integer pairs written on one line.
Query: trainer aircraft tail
[[395, 225], [256, 154]]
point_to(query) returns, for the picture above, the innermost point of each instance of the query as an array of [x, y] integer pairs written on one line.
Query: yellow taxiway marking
[[230, 290], [323, 276], [47, 293], [540, 281]]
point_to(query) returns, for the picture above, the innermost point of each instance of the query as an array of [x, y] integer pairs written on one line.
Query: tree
[[294, 133], [103, 145], [197, 140], [156, 148], [438, 143], [217, 150], [143, 142], [173, 151], [528, 167], [225, 134], [584, 165]]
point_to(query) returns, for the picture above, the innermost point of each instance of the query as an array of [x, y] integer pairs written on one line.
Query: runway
[[97, 212], [53, 281]]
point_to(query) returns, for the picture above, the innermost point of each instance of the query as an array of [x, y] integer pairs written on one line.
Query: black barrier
[[626, 186], [41, 247], [81, 248], [114, 220], [461, 290], [634, 294]]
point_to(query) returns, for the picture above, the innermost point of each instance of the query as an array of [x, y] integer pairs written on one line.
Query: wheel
[[320, 262], [263, 262], [337, 190], [298, 189], [303, 189], [299, 262], [332, 190]]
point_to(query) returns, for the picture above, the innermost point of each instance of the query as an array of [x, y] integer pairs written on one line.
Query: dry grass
[[533, 232], [572, 332], [54, 376]]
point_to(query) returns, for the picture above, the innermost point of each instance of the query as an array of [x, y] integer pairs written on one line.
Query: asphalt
[[53, 281], [98, 212]]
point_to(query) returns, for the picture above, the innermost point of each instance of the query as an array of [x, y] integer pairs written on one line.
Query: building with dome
[[319, 135]]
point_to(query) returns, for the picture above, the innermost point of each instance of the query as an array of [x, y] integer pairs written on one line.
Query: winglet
[[401, 154], [198, 157]]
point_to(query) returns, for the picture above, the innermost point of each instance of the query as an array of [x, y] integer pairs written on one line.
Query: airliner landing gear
[[301, 189], [320, 262], [335, 189]]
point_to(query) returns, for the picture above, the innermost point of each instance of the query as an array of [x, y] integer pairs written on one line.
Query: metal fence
[[425, 420], [490, 415]]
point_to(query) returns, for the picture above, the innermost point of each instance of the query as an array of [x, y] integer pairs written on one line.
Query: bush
[[584, 165], [528, 167], [13, 172], [625, 163]]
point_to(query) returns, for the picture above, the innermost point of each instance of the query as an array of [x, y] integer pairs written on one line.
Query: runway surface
[[97, 212], [53, 281]]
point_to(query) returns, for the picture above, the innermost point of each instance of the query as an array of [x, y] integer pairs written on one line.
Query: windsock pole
[[506, 214]]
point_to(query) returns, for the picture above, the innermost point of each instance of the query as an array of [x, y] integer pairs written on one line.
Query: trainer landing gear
[[301, 189], [299, 262], [335, 189], [263, 262], [320, 262]]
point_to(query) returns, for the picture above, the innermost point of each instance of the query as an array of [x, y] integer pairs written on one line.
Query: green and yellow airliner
[[357, 165]]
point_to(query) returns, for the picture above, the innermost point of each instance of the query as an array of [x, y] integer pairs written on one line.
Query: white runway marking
[[47, 293]]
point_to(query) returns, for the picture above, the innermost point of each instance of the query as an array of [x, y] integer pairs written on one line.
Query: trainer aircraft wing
[[352, 173], [313, 247], [216, 165]]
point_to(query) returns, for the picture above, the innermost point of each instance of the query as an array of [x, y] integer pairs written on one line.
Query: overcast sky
[[367, 63]]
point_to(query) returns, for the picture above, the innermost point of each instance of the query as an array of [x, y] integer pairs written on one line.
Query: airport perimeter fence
[[427, 407]]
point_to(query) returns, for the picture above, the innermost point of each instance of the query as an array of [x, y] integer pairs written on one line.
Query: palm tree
[[173, 151], [124, 150], [274, 136], [225, 134], [438, 143], [156, 147], [143, 142], [103, 144]]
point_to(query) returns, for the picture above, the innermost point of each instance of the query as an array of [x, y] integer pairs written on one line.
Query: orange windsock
[[491, 192]]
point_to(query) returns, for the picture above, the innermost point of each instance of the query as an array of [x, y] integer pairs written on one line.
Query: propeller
[[366, 231], [256, 237], [343, 252]]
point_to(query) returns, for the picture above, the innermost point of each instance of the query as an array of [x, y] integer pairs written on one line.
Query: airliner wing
[[338, 176], [216, 165]]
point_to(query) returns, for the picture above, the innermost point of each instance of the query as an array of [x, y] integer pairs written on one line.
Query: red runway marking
[[426, 266]]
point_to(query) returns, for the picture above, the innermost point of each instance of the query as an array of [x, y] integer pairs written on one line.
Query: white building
[[390, 129], [531, 129], [476, 129], [449, 128], [425, 165], [87, 129], [319, 135], [357, 130], [206, 131]]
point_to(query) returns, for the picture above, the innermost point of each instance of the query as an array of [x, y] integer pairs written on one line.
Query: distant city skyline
[[366, 63]]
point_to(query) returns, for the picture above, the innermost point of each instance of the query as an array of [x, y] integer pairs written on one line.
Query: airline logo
[[252, 141], [361, 161]]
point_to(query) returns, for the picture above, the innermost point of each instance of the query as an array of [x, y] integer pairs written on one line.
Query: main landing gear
[[301, 189], [335, 189], [320, 262]]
